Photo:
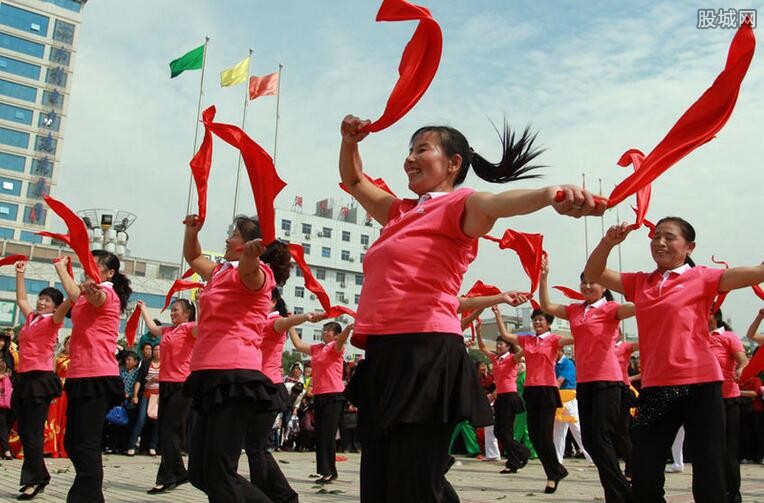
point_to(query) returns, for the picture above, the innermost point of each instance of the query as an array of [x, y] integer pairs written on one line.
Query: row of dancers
[[416, 381]]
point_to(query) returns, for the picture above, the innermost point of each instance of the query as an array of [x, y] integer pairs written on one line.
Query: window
[[49, 120], [12, 162], [365, 239], [345, 255], [306, 247], [346, 236], [30, 237], [306, 229], [299, 292], [362, 256], [317, 333], [327, 232], [46, 144], [18, 91], [286, 225], [20, 68], [35, 215], [320, 273], [40, 188], [15, 114], [326, 252], [21, 45], [150, 299], [23, 20], [14, 138], [357, 298], [8, 211], [63, 32], [8, 284], [359, 279], [72, 5], [6, 233], [56, 76], [53, 99], [9, 186], [60, 55], [298, 310], [42, 166], [339, 296], [340, 277], [299, 330], [298, 272]]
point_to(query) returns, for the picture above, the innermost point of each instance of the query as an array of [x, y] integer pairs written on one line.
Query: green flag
[[192, 60]]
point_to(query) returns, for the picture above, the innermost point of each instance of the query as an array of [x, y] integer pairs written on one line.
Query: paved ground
[[476, 481]]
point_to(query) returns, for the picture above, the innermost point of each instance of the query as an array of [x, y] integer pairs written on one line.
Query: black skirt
[[39, 386], [90, 387], [511, 401], [542, 397], [281, 400], [210, 388], [423, 378]]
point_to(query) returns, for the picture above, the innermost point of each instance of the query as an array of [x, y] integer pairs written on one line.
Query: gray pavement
[[127, 479]]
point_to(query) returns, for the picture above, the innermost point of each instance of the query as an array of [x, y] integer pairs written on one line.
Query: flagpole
[[602, 217], [620, 269], [196, 139], [243, 120], [278, 101], [586, 224]]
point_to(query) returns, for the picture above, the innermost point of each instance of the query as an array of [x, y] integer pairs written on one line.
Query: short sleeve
[[556, 341], [711, 279], [570, 311], [493, 359], [734, 344], [611, 309], [629, 280], [315, 348], [521, 340]]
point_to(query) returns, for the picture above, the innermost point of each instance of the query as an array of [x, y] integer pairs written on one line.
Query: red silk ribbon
[[201, 164], [719, 300], [12, 259], [754, 366], [79, 240], [758, 291], [177, 286], [376, 181], [312, 284], [530, 250], [569, 293], [634, 157], [131, 327], [187, 274]]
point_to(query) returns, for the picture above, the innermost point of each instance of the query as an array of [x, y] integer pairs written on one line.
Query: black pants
[[5, 415], [623, 438], [32, 413], [215, 449], [504, 430], [599, 409], [407, 464], [173, 409], [732, 459], [264, 471], [328, 408], [660, 413], [541, 412], [84, 429]]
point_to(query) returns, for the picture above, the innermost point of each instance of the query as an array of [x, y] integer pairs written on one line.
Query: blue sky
[[594, 78]]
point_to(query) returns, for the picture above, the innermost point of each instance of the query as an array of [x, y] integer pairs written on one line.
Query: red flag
[[634, 158], [419, 62], [177, 286], [201, 163], [376, 181], [79, 240], [267, 85], [12, 259], [312, 284], [480, 289], [64, 238], [700, 122], [530, 250], [569, 293], [132, 326]]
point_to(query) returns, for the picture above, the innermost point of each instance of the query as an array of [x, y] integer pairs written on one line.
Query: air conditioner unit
[[320, 234], [307, 237], [351, 259], [344, 300], [342, 285], [312, 297], [286, 233], [365, 247]]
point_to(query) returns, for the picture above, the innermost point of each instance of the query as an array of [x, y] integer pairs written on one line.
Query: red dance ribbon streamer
[[479, 289], [312, 284], [201, 164], [177, 286], [569, 293], [187, 274], [759, 291], [754, 366], [79, 240], [376, 181], [64, 238], [419, 62], [719, 300], [12, 259], [634, 158], [131, 327], [700, 122]]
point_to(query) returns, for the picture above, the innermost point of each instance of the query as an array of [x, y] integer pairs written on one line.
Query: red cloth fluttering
[[187, 274], [64, 238], [312, 284], [376, 181], [12, 259], [759, 291], [569, 293], [530, 250], [479, 289], [700, 122], [647, 223], [131, 327], [755, 365], [634, 157], [79, 240], [263, 179], [177, 286], [719, 300], [419, 62]]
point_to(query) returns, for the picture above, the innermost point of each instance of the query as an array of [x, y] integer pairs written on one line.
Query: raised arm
[[512, 298], [751, 334], [70, 286], [741, 277], [60, 313], [556, 310], [153, 328], [252, 276], [298, 344], [192, 250], [596, 267], [511, 338], [373, 199], [467, 320], [21, 289], [339, 344], [481, 344]]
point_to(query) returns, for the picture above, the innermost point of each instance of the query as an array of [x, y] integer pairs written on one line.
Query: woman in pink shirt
[[594, 325], [175, 346], [729, 351], [93, 384], [681, 378], [326, 359], [226, 380], [36, 383]]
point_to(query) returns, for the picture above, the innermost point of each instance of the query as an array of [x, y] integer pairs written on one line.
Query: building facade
[[38, 40]]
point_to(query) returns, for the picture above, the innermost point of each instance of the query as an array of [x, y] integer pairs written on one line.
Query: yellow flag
[[236, 74]]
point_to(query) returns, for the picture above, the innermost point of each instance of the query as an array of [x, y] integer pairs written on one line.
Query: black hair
[[607, 293], [280, 305], [720, 321], [120, 281], [333, 326], [687, 231], [276, 255], [146, 344], [7, 346], [537, 312], [129, 354], [54, 293], [188, 307], [515, 159], [513, 348]]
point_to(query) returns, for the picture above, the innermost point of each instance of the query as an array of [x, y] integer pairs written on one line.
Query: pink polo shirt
[[413, 272], [595, 332], [37, 342], [672, 318], [540, 358], [327, 369], [230, 321], [725, 345], [175, 349], [623, 354], [93, 344], [504, 373], [273, 349]]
